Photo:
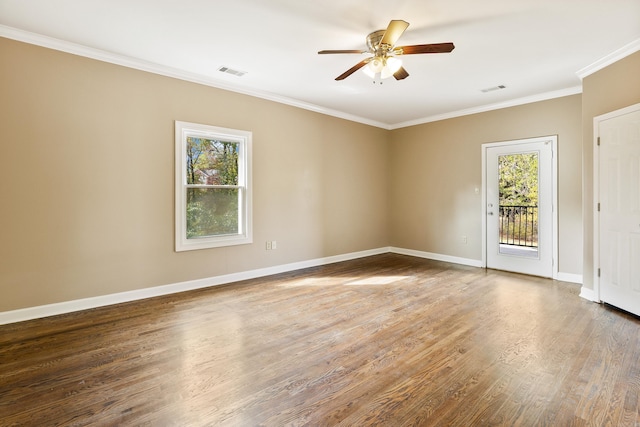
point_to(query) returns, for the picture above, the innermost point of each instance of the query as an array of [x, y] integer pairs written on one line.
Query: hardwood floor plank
[[385, 340]]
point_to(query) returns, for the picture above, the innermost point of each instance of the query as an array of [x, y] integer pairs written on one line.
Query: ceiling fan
[[382, 45]]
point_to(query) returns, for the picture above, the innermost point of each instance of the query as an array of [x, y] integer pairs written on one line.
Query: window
[[213, 186]]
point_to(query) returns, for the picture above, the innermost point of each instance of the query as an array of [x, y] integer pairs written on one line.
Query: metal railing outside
[[519, 225]]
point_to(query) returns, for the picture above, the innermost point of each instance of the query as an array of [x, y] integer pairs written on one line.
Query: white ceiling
[[533, 47]]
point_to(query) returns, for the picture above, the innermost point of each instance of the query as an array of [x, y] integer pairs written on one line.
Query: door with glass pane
[[519, 206]]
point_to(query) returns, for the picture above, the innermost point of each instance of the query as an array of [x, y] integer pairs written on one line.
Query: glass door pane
[[518, 204]]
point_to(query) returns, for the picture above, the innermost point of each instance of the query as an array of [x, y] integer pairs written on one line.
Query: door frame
[[554, 194], [596, 191]]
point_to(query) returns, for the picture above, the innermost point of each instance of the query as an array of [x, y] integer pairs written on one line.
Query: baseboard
[[37, 312], [437, 257], [568, 277], [30, 313], [589, 294]]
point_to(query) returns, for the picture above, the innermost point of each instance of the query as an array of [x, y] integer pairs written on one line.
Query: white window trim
[[244, 138]]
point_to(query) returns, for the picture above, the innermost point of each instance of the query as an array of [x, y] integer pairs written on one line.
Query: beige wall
[[86, 176], [86, 179], [436, 168], [614, 87]]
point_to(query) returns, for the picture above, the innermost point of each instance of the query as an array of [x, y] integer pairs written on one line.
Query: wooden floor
[[388, 340]]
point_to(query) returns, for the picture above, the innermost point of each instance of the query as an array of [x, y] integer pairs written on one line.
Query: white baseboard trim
[[569, 277], [589, 294], [437, 257], [37, 312], [30, 313]]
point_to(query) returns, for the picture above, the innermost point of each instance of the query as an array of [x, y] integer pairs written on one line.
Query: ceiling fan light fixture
[[382, 68], [376, 65], [369, 72], [392, 65]]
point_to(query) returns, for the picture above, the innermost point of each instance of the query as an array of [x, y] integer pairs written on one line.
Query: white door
[[520, 238], [619, 217]]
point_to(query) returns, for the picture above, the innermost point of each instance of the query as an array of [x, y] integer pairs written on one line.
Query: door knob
[[489, 213]]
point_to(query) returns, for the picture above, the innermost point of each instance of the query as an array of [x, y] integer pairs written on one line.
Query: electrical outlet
[[269, 246], [464, 240], [274, 244]]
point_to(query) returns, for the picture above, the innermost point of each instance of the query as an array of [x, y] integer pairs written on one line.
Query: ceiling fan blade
[[324, 52], [401, 74], [424, 48], [353, 69], [394, 31]]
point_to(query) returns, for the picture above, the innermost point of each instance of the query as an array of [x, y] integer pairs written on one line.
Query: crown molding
[[150, 67], [490, 107], [615, 56]]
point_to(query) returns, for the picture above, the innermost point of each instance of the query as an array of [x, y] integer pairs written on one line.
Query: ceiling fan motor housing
[[373, 41]]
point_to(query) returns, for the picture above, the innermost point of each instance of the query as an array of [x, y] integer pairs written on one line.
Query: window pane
[[212, 162], [518, 186], [212, 212]]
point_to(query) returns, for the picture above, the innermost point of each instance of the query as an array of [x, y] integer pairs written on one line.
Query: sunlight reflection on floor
[[347, 281], [376, 280]]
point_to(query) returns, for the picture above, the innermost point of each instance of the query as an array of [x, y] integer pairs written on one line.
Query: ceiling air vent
[[491, 89], [232, 71]]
